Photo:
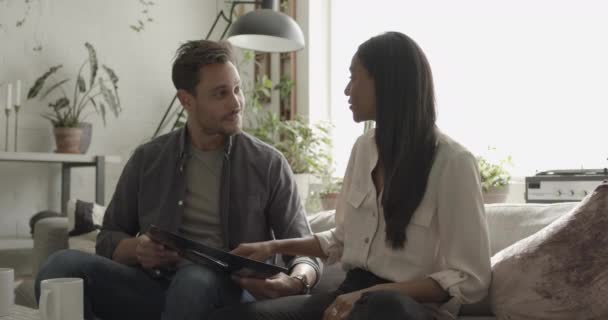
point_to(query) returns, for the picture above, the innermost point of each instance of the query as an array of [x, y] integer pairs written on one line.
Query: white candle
[[9, 97], [18, 98]]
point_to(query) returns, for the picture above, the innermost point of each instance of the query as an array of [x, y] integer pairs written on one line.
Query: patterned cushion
[[559, 272], [84, 217]]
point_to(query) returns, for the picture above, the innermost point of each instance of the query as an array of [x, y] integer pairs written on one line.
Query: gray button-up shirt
[[258, 196]]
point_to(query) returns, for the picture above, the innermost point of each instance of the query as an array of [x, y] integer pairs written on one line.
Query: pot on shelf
[[496, 195], [328, 200], [67, 140]]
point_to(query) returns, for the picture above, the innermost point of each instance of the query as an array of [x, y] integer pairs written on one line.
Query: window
[[529, 78]]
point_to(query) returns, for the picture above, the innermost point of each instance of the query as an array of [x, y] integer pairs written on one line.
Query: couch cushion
[[507, 222], [511, 222], [559, 272]]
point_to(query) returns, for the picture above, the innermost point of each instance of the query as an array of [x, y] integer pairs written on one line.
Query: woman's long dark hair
[[405, 125]]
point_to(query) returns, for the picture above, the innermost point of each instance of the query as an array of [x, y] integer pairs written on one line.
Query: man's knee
[[389, 304], [197, 291], [64, 263], [196, 281]]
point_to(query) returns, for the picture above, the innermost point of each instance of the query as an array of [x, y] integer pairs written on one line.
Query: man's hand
[[277, 286], [259, 251], [151, 254], [342, 306]]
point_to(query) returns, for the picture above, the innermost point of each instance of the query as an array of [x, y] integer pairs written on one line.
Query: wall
[[141, 60]]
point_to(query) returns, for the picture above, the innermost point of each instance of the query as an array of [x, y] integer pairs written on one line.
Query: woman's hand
[[342, 306], [279, 285], [259, 251]]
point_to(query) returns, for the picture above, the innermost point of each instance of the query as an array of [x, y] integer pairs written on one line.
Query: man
[[207, 181]]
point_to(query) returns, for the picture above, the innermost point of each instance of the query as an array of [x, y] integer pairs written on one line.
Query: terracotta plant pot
[[496, 195], [67, 140], [328, 201]]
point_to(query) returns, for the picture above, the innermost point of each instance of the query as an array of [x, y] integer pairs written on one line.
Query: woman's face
[[361, 92]]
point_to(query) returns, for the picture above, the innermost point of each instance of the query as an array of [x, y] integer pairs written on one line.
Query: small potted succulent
[[99, 91]]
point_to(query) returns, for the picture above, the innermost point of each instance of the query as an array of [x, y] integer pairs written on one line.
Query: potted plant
[[494, 179], [304, 145], [329, 192], [100, 92]]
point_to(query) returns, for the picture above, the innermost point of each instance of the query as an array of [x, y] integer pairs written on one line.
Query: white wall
[[141, 60]]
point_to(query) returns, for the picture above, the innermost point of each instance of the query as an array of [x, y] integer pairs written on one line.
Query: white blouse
[[447, 237]]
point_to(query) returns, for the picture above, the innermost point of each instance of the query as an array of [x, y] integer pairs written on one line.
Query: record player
[[563, 185]]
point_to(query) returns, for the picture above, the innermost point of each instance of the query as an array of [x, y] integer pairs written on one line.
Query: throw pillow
[[83, 217], [560, 271]]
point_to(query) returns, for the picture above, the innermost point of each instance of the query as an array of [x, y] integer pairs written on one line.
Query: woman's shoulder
[[366, 140]]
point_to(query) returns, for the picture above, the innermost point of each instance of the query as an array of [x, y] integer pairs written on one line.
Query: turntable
[[563, 185]]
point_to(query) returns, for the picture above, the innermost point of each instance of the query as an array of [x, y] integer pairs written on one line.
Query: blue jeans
[[116, 291]]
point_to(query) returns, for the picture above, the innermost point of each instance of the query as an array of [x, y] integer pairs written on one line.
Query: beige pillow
[[560, 272]]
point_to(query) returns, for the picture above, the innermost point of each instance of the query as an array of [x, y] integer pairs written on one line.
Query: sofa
[[507, 224]]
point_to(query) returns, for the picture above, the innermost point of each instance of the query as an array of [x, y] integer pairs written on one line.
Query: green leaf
[[112, 75], [180, 123], [493, 174], [51, 117], [35, 89], [92, 62], [94, 105], [102, 109], [60, 103], [247, 55], [267, 83], [82, 86], [109, 98], [114, 79], [53, 87], [135, 28]]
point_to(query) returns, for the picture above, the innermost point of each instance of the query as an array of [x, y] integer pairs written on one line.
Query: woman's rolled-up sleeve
[[463, 232]]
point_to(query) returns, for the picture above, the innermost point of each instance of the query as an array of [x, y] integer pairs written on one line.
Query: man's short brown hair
[[192, 56]]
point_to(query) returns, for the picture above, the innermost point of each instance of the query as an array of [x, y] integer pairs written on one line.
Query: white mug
[[7, 295], [61, 299]]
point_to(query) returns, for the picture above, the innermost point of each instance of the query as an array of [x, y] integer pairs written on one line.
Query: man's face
[[217, 106]]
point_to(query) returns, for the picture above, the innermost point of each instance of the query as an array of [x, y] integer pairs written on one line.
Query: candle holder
[[17, 107], [7, 112]]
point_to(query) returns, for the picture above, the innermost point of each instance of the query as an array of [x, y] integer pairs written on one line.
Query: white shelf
[[54, 157], [68, 161]]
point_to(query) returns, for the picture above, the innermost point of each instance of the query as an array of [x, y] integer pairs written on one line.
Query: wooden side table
[[22, 313]]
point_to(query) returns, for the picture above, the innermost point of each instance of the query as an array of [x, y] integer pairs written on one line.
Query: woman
[[410, 223]]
